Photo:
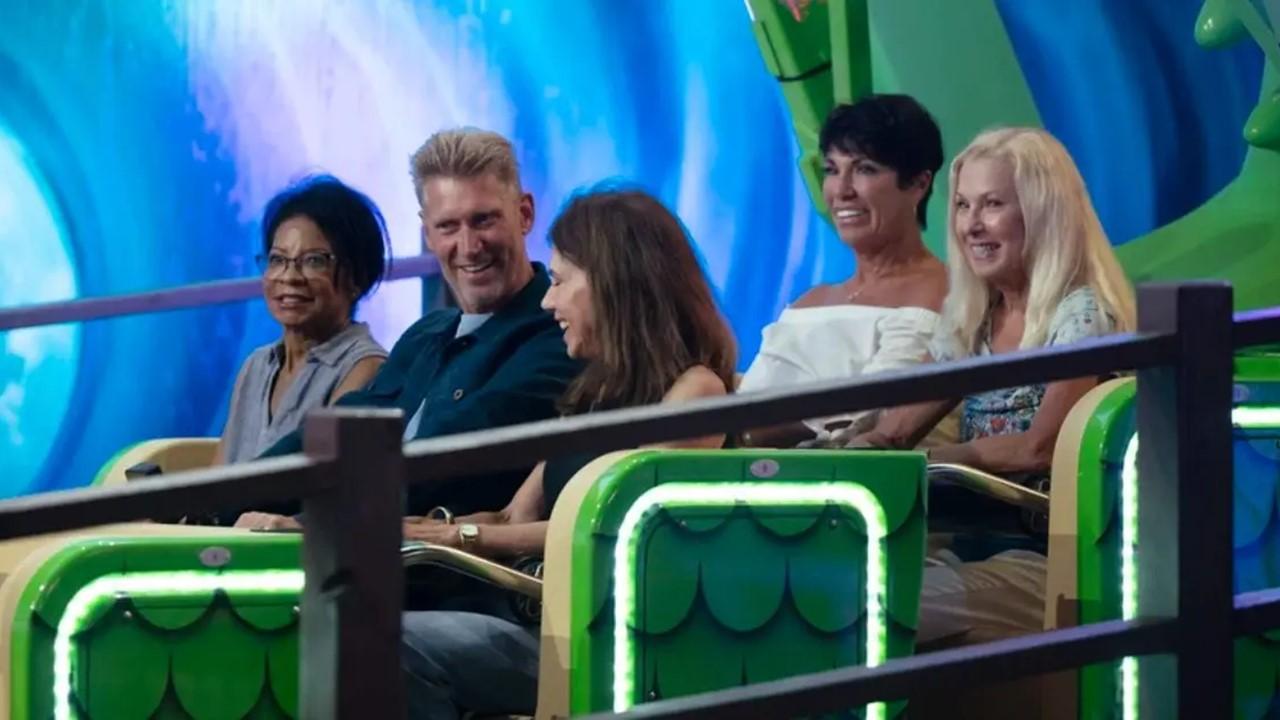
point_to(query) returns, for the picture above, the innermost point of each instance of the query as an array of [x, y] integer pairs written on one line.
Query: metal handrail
[[179, 298], [523, 445]]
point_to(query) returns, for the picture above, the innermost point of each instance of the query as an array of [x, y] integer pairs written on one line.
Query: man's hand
[[431, 531], [267, 521]]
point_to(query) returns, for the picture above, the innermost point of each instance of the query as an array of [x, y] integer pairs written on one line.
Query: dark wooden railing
[[354, 469]]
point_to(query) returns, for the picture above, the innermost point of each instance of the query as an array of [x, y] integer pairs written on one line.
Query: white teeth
[[476, 268], [984, 250], [849, 214]]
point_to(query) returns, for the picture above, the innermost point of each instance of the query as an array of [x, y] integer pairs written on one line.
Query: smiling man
[[498, 359]]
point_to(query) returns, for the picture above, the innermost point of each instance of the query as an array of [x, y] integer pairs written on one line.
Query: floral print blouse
[[1010, 411]]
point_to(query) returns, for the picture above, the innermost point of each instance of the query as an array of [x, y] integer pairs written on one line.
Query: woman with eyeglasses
[[324, 248]]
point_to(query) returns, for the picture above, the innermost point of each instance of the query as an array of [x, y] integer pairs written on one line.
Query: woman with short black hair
[[324, 248], [880, 156]]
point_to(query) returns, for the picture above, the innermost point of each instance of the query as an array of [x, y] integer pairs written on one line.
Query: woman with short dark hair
[[880, 157], [635, 305], [324, 248]]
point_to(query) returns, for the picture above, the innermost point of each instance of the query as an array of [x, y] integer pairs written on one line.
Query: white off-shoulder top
[[838, 342]]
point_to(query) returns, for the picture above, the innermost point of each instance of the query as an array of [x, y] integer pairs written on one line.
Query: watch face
[[468, 532]]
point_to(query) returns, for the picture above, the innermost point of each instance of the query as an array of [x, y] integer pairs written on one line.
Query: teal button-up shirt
[[512, 369]]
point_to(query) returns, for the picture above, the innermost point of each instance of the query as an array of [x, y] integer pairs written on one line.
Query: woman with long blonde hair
[[1029, 267]]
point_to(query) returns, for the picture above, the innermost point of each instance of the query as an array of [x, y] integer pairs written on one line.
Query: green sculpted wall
[[825, 52]]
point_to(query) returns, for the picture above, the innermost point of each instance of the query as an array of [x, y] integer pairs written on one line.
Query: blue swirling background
[[139, 141]]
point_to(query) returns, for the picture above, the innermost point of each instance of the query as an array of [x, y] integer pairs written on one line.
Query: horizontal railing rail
[[354, 471], [1255, 327], [522, 445], [994, 662], [179, 298]]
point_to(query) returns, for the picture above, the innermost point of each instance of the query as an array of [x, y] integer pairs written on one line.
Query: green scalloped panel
[[1256, 538], [740, 594], [190, 653]]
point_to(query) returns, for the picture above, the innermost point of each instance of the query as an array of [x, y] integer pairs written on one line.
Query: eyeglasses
[[311, 265]]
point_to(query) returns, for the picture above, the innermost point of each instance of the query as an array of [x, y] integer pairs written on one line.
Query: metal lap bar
[[993, 486], [420, 553]]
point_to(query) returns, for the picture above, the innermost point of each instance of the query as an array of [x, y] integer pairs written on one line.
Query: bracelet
[[441, 513]]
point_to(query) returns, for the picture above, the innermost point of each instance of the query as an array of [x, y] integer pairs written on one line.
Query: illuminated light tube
[[187, 582], [1129, 573], [675, 495]]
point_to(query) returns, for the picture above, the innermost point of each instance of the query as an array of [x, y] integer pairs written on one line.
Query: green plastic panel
[[835, 51], [1256, 536], [732, 593], [185, 643]]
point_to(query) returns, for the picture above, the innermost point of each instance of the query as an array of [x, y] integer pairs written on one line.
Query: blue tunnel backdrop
[[139, 141]]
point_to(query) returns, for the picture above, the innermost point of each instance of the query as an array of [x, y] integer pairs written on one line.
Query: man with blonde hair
[[498, 358]]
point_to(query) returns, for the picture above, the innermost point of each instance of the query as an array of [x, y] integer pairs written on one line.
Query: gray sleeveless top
[[249, 430]]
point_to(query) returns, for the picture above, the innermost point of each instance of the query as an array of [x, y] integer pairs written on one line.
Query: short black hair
[[893, 130], [350, 221]]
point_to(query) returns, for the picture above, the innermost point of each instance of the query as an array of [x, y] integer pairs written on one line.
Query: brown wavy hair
[[655, 314]]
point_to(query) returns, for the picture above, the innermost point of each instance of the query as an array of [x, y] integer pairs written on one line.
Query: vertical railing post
[[350, 637], [1184, 500]]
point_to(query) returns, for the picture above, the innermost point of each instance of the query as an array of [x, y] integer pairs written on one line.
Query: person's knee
[[424, 648], [456, 660]]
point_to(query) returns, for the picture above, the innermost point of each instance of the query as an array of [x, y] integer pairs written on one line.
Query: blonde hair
[[464, 153], [1065, 246]]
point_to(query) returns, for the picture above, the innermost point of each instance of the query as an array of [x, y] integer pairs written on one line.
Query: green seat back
[[160, 627], [702, 570], [1107, 460]]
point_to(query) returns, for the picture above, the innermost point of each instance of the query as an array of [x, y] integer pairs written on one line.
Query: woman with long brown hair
[[635, 306]]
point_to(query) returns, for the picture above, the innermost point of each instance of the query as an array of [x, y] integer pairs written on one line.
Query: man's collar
[[525, 303], [519, 307]]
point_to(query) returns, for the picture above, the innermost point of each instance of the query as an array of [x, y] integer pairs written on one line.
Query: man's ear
[[527, 213]]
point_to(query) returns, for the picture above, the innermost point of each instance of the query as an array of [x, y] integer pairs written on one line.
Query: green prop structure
[[830, 51]]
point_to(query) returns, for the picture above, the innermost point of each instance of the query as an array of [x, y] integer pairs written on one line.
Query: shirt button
[[457, 394]]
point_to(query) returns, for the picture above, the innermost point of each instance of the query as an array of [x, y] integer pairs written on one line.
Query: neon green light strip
[[1249, 417], [1129, 572], [1256, 416], [854, 497], [108, 587]]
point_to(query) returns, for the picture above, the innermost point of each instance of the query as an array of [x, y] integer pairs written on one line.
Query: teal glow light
[[152, 584], [672, 495], [1248, 417]]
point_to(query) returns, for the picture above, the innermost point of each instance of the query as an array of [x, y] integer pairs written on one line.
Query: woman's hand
[[431, 531], [863, 441], [267, 521]]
